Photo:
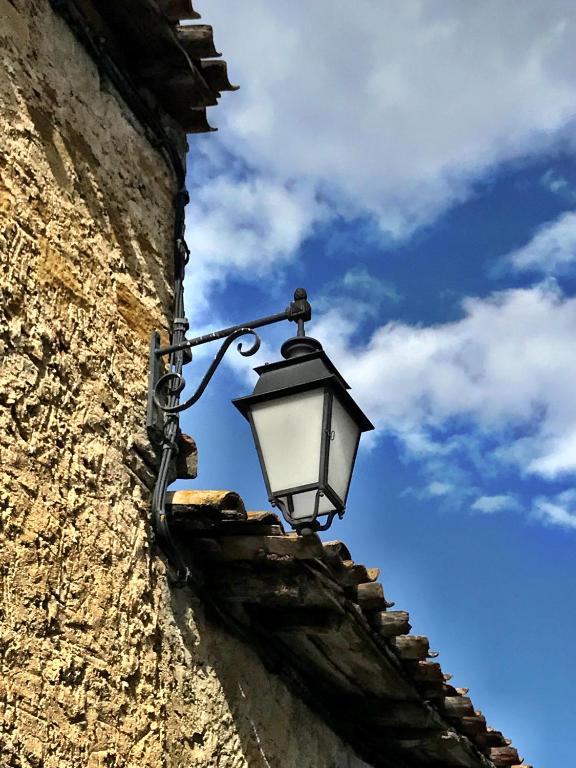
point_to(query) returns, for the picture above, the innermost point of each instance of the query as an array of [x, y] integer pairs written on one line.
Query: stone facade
[[102, 664]]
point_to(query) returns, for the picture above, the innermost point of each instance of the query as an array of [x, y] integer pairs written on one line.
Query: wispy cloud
[[558, 511], [490, 505], [374, 289], [558, 185], [249, 227], [358, 294], [437, 488], [552, 250]]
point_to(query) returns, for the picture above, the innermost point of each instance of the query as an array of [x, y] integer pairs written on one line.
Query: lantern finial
[[301, 309]]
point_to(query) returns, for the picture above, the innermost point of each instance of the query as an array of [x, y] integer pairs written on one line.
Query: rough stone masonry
[[101, 664]]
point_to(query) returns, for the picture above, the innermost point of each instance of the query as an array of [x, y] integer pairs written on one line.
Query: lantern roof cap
[[307, 357], [301, 371], [298, 346]]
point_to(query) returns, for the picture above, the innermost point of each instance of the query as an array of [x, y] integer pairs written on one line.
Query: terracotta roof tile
[[328, 621], [171, 62], [177, 10]]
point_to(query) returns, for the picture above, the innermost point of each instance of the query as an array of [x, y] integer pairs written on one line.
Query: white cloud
[[437, 488], [558, 185], [394, 107], [374, 289], [495, 386], [560, 511], [551, 250], [249, 228], [491, 504], [358, 294]]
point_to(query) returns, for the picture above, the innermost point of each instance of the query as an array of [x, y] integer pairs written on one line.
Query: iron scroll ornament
[[180, 354], [175, 383]]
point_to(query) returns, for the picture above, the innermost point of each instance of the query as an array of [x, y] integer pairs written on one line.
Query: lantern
[[307, 428]]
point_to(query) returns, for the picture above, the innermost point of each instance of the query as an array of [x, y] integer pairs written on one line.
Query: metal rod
[[215, 335], [169, 446]]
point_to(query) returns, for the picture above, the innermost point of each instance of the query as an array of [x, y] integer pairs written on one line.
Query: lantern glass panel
[[289, 431], [345, 434], [303, 506]]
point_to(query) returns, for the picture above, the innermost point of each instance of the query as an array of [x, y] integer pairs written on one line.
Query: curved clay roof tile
[[178, 10], [197, 40]]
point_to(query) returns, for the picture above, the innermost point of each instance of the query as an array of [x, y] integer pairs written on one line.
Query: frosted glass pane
[[304, 505], [342, 447], [290, 433]]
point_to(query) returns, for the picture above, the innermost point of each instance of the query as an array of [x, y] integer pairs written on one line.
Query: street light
[[306, 428], [304, 422]]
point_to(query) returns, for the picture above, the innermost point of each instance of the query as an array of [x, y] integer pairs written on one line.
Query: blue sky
[[413, 166]]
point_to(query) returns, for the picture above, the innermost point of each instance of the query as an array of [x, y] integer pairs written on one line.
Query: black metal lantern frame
[[306, 369]]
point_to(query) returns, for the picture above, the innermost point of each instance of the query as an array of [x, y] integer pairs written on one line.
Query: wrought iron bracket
[[165, 383]]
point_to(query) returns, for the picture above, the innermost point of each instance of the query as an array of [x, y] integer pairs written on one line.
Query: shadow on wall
[[227, 710], [73, 163]]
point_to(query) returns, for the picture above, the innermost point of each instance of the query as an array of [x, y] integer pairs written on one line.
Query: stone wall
[[101, 664]]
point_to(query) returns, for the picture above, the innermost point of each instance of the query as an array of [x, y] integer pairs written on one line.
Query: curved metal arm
[[177, 383], [173, 383]]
